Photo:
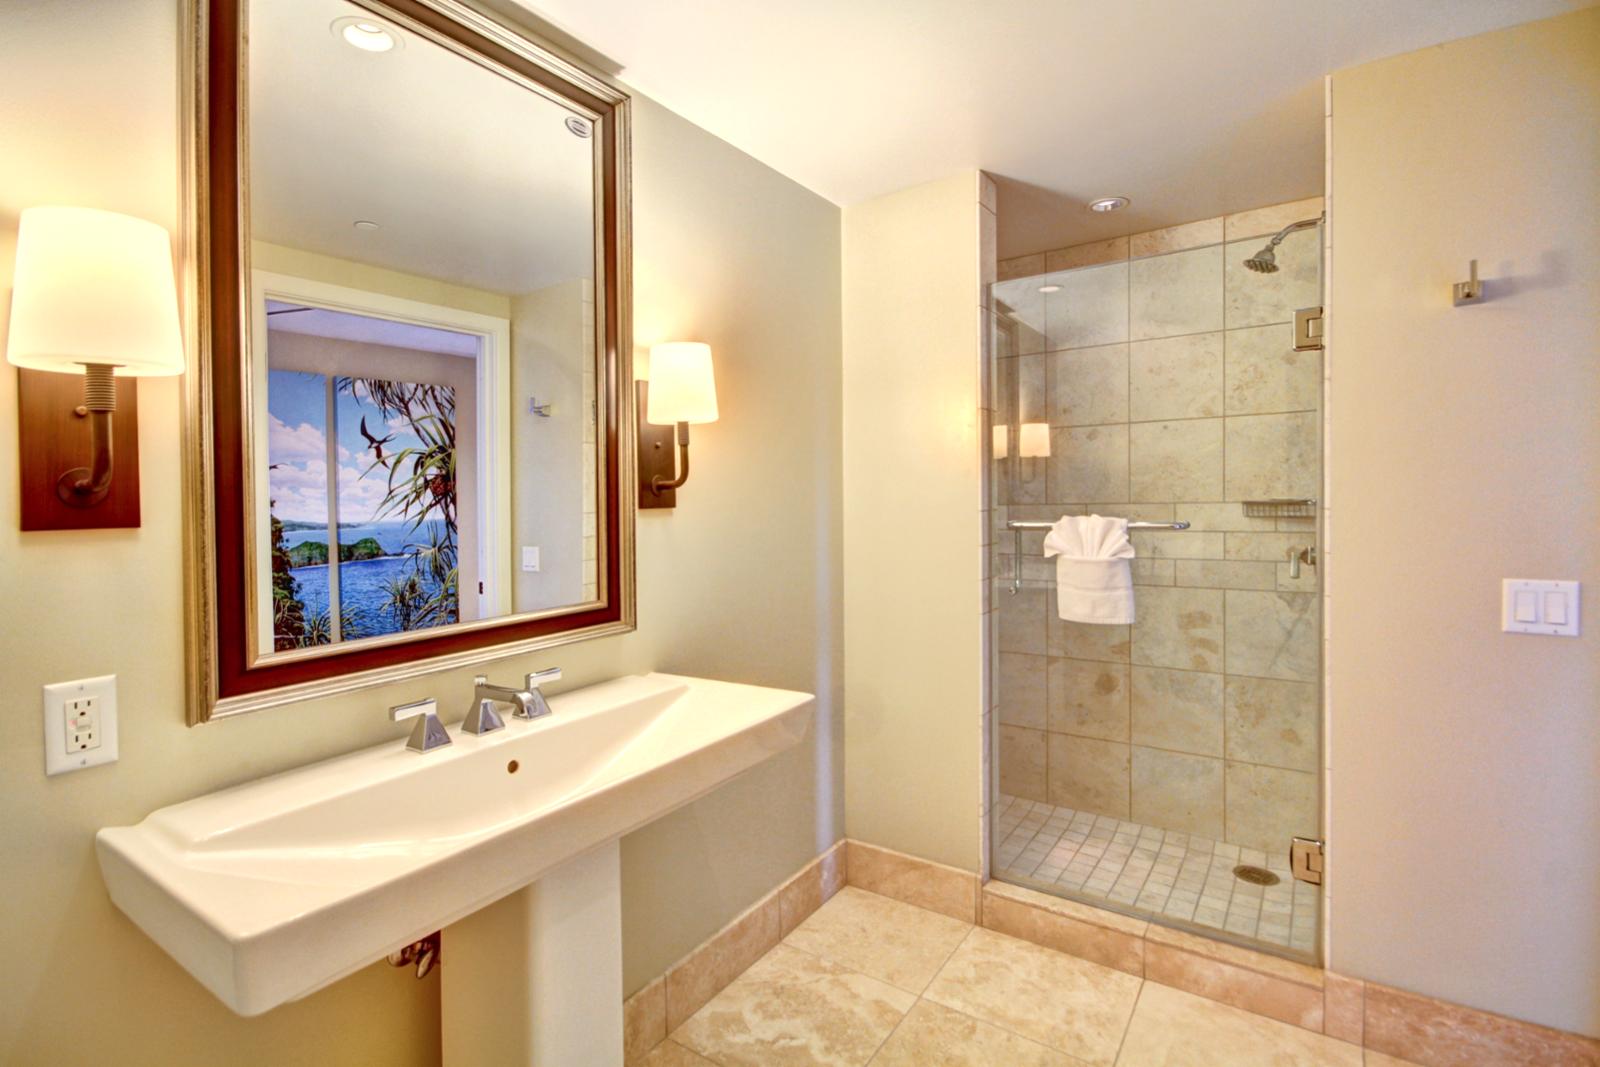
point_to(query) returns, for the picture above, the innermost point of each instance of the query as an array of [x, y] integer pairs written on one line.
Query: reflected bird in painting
[[377, 443]]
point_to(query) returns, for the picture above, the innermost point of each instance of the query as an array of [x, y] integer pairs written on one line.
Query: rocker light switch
[[1555, 609], [1527, 606], [1530, 606]]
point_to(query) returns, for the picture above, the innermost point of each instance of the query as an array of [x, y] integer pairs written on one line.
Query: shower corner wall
[[1134, 768]]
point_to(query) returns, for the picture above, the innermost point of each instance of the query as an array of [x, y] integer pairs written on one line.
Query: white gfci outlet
[[80, 724]]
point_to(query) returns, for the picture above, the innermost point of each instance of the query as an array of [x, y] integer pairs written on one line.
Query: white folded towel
[[1094, 581]]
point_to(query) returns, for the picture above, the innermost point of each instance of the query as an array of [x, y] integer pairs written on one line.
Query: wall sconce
[[93, 295], [1033, 440], [682, 389]]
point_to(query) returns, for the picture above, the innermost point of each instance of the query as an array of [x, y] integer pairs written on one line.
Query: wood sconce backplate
[[52, 439], [658, 454]]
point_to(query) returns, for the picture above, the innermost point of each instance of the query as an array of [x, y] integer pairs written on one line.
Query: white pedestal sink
[[271, 890]]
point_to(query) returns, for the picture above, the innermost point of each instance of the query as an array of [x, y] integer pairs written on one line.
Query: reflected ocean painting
[[391, 446]]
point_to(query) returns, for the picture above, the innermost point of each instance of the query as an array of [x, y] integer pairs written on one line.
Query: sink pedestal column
[[535, 979]]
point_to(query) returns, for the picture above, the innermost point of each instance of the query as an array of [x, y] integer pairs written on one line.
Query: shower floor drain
[[1255, 875]]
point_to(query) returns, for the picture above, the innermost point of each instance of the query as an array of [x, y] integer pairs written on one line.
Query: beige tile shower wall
[[1171, 391]]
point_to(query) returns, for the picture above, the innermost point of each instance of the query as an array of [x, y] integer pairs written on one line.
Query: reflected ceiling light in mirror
[[365, 224], [367, 34], [1108, 203]]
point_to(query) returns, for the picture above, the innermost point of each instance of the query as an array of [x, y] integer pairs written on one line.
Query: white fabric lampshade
[[93, 287], [682, 385]]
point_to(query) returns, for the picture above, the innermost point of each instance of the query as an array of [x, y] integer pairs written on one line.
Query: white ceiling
[[1191, 109], [472, 178]]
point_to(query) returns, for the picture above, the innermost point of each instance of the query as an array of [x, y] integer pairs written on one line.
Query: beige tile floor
[[869, 980]]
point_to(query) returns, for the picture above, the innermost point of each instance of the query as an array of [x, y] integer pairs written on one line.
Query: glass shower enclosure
[[1163, 768]]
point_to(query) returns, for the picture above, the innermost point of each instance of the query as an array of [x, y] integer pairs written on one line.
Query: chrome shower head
[[1264, 261]]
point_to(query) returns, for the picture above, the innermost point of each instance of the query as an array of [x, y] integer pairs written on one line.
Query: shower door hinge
[[1305, 859], [1308, 330]]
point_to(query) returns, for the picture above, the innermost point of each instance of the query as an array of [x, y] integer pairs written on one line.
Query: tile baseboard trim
[[1423, 1030], [665, 1002], [1437, 1033], [947, 890]]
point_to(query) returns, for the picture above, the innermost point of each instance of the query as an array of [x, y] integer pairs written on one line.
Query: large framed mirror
[[407, 437]]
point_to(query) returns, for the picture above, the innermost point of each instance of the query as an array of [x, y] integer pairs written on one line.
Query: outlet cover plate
[[57, 698]]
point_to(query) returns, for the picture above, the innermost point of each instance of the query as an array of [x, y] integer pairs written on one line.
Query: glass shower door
[[1163, 768]]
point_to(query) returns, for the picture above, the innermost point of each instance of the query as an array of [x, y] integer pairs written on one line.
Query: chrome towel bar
[[1016, 526]]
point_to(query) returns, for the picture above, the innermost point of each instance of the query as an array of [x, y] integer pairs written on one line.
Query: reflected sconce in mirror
[[94, 296], [682, 389], [1033, 440]]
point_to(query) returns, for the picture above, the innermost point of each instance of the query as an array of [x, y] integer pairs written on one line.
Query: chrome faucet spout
[[482, 718]]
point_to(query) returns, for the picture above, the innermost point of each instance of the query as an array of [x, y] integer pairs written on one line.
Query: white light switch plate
[[80, 724], [530, 557], [1534, 606]]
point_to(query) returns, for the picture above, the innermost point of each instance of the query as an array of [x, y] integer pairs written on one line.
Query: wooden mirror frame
[[222, 679]]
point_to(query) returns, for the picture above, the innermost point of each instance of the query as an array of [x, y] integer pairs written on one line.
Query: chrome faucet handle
[[429, 733], [481, 717], [535, 679]]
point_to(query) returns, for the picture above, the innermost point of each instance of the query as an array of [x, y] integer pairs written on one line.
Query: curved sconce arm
[[657, 482], [83, 487]]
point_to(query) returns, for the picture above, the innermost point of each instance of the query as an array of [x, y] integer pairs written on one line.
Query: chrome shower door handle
[[1016, 560]]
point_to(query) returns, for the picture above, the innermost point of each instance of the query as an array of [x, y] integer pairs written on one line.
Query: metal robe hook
[[1469, 291]]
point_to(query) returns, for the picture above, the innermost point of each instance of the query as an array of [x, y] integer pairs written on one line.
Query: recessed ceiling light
[[367, 34], [1108, 203], [578, 126], [1049, 288], [365, 224]]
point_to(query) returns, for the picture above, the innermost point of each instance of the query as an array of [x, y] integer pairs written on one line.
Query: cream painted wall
[[912, 492], [741, 582], [1465, 802], [553, 360]]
